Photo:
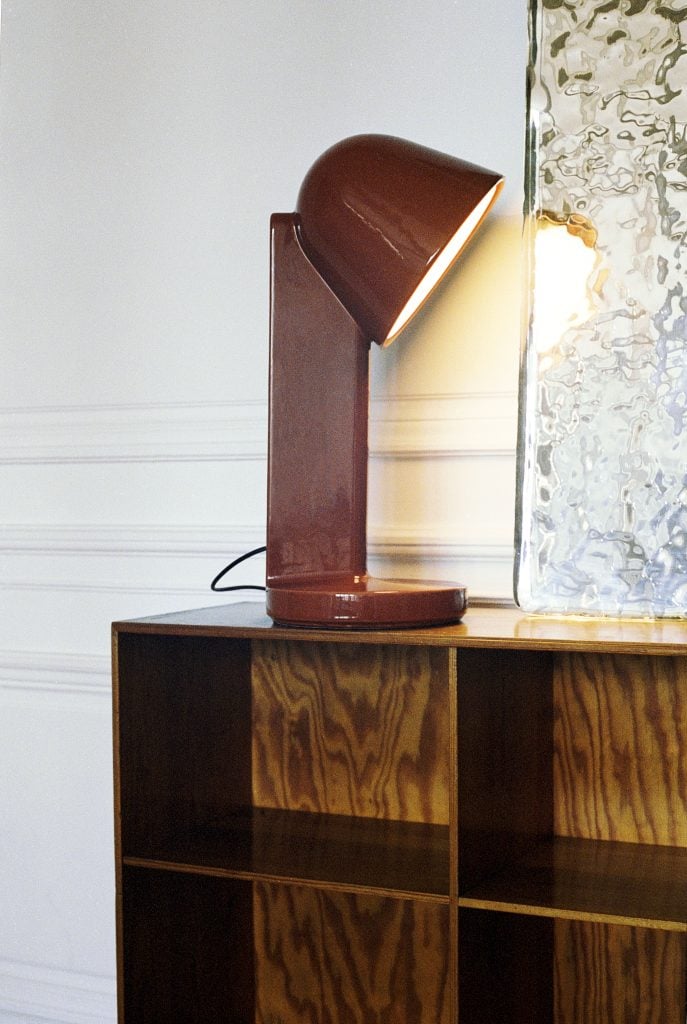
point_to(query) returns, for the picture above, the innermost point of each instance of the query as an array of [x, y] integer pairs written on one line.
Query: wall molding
[[56, 673], [79, 540], [115, 540], [34, 994], [479, 425], [412, 426], [150, 432], [436, 545], [176, 563]]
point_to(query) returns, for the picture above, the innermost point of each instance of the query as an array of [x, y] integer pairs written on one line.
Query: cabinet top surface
[[504, 627]]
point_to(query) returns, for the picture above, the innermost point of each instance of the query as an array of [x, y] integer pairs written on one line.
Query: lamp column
[[317, 461]]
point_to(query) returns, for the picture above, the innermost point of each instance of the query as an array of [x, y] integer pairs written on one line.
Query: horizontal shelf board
[[485, 627], [325, 850], [581, 879]]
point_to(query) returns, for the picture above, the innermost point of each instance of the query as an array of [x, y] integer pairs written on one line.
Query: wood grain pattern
[[351, 730], [330, 958], [606, 974], [620, 757]]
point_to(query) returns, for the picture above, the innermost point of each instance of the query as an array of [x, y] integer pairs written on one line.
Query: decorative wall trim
[[413, 426], [451, 426], [124, 566], [47, 671], [180, 595], [180, 432], [91, 539], [227, 541], [437, 546], [32, 994]]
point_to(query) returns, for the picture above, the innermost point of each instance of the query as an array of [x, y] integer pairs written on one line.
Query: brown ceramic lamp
[[378, 222]]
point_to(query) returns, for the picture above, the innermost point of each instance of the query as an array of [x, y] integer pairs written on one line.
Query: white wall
[[144, 145]]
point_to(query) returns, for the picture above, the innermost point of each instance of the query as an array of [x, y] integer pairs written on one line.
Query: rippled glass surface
[[602, 457]]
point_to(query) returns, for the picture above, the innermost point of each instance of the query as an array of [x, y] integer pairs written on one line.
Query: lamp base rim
[[346, 601]]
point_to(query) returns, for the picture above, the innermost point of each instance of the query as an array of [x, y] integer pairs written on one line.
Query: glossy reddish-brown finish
[[350, 602], [374, 213], [317, 464], [317, 458]]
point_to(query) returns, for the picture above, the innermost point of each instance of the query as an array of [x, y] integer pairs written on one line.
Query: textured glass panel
[[602, 474]]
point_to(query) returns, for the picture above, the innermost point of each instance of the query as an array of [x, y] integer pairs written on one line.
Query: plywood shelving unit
[[477, 823]]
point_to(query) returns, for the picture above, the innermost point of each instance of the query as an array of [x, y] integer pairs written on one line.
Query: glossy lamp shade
[[377, 214], [378, 222]]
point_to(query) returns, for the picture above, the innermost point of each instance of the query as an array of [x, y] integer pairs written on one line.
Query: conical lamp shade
[[378, 214]]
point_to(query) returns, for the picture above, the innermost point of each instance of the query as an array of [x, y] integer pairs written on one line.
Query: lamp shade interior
[[438, 267]]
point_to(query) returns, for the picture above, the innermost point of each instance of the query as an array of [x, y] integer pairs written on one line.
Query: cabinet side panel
[[117, 793], [184, 719], [504, 758], [351, 729], [345, 959], [611, 974], [620, 761]]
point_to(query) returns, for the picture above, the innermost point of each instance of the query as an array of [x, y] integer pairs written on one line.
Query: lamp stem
[[318, 421]]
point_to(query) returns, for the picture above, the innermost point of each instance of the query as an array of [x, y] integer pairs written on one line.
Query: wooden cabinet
[[478, 823]]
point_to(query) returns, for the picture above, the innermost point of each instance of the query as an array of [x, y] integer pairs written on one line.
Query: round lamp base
[[343, 601]]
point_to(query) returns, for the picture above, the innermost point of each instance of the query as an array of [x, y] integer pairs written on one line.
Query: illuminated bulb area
[[564, 261], [441, 263]]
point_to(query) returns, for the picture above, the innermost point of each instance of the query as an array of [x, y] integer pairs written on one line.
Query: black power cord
[[232, 565]]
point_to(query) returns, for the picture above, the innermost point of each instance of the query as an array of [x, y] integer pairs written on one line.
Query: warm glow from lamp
[[565, 259], [441, 264]]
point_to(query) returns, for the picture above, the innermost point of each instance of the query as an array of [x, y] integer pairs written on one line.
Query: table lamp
[[378, 222]]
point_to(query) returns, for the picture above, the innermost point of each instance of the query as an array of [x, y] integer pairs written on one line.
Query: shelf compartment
[[390, 857], [619, 727], [505, 969], [556, 971], [351, 730], [605, 881], [213, 950], [192, 957]]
